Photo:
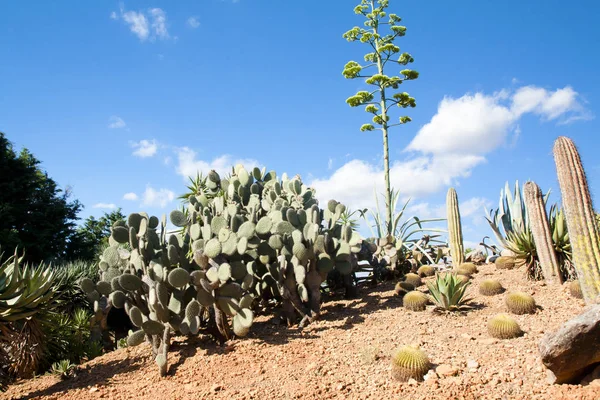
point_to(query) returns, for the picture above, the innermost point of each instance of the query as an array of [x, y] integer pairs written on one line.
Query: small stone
[[446, 370], [412, 382], [472, 364], [215, 388], [430, 375], [94, 389], [466, 336]]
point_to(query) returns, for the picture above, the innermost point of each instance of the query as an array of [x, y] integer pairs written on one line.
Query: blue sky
[[122, 100]]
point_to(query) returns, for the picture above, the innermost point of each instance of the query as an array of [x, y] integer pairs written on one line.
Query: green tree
[[380, 34], [93, 235], [35, 214]]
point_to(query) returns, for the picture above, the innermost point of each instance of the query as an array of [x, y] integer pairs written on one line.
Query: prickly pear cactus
[[244, 242], [269, 238]]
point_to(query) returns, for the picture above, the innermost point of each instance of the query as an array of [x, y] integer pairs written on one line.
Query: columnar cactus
[[583, 231], [542, 236], [454, 228]]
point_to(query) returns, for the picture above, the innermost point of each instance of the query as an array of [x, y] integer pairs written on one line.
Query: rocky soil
[[345, 355]]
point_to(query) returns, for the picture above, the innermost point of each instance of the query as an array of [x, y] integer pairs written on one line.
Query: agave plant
[[402, 235], [510, 225], [63, 368], [448, 292], [562, 243], [25, 291]]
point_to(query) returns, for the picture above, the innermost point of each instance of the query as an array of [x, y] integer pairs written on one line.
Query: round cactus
[[413, 279], [426, 270], [503, 326], [470, 267], [463, 278], [463, 271], [505, 262], [118, 298], [178, 218], [410, 362], [135, 314], [415, 301], [403, 287], [575, 289], [212, 248], [490, 287], [520, 303]]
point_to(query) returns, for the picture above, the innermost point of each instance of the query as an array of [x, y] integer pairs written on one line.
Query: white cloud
[[145, 148], [130, 196], [450, 145], [159, 23], [157, 198], [115, 122], [188, 165], [479, 123], [145, 25], [138, 24], [474, 206], [110, 206], [193, 22]]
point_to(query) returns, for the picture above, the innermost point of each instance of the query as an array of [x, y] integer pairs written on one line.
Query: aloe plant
[[448, 292]]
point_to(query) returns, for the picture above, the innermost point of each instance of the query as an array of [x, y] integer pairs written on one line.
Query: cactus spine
[[583, 231], [536, 210], [454, 228]]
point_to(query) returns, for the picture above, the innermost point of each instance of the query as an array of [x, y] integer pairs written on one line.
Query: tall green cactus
[[583, 231], [542, 236], [454, 228]]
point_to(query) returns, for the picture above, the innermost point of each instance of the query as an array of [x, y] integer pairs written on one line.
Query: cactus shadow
[[90, 375]]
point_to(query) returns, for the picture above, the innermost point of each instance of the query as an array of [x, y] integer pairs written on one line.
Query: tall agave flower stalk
[[542, 236], [581, 222]]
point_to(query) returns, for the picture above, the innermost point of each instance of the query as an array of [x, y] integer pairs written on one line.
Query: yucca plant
[[69, 294], [448, 292]]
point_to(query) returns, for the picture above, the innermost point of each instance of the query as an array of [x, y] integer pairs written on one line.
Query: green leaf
[[367, 127]]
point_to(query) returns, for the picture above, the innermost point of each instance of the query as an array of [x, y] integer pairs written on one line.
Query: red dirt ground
[[344, 355]]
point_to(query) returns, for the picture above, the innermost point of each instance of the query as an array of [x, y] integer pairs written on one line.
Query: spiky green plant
[[410, 362], [503, 326], [397, 240], [520, 303], [448, 292], [63, 368], [562, 244]]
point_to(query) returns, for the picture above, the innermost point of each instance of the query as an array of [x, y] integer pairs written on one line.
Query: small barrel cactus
[[575, 289], [469, 267], [403, 287], [503, 326], [425, 271], [413, 279], [410, 362], [464, 272], [505, 262], [520, 303], [415, 301], [490, 287]]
